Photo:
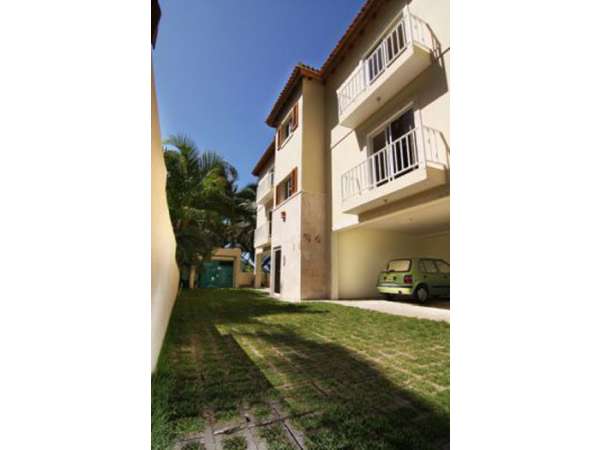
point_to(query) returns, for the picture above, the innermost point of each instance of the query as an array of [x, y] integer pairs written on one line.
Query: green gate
[[216, 274]]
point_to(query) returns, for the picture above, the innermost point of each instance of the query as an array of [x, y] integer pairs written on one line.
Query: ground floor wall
[[261, 278], [300, 232], [286, 229], [360, 254]]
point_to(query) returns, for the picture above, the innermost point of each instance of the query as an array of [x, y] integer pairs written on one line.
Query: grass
[[345, 378]]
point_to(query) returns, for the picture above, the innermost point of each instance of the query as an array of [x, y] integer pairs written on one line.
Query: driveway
[[434, 310]]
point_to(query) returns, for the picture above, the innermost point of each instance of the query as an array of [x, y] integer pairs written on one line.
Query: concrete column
[[258, 272]]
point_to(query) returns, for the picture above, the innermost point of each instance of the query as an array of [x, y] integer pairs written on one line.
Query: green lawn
[[239, 367]]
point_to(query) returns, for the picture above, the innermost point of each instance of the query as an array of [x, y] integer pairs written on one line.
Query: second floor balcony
[[262, 235], [415, 162], [404, 52], [264, 191]]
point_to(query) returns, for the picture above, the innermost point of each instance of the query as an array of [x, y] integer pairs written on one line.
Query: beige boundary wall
[[164, 272]]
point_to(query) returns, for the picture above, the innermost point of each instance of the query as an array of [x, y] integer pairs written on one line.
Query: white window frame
[[389, 119]]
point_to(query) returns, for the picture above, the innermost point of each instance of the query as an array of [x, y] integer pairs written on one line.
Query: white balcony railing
[[414, 149], [265, 185], [409, 30], [262, 234]]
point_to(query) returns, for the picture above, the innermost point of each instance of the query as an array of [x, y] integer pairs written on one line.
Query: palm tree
[[201, 204], [245, 223]]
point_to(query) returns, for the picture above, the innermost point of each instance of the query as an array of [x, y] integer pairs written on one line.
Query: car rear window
[[399, 265]]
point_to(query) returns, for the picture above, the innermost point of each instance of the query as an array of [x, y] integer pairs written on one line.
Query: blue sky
[[220, 64]]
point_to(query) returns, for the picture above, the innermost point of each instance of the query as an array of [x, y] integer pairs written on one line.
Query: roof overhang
[[263, 162], [300, 71], [367, 12]]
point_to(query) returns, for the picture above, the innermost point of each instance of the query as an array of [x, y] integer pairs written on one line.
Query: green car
[[420, 278]]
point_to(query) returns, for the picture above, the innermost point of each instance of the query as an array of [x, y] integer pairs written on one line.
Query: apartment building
[[358, 171]]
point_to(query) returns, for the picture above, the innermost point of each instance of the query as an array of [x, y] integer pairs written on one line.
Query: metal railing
[[409, 29], [407, 153], [265, 185], [262, 234]]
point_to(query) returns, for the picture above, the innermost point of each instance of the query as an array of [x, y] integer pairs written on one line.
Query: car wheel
[[421, 294]]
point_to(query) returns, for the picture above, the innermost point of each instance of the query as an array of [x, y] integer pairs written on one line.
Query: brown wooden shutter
[[295, 116], [279, 140], [294, 181], [277, 194]]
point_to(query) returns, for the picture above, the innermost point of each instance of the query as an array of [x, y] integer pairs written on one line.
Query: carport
[[361, 252]]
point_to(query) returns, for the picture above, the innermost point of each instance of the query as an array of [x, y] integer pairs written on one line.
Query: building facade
[[358, 172]]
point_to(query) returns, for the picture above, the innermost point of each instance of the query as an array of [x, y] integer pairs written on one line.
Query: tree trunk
[[192, 277]]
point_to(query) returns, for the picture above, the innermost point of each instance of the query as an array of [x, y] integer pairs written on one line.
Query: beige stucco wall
[[303, 237], [361, 253], [286, 235], [427, 95], [437, 245], [289, 156], [315, 262], [164, 272]]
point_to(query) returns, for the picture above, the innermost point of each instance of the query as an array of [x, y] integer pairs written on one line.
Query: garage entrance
[[363, 251], [216, 274]]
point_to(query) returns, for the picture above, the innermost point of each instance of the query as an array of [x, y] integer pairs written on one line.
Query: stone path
[[398, 308]]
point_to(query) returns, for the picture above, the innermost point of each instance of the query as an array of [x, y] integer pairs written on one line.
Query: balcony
[[264, 191], [415, 162], [403, 54], [262, 235]]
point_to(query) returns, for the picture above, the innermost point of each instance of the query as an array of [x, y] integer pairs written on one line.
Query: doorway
[[394, 149], [216, 274], [277, 280]]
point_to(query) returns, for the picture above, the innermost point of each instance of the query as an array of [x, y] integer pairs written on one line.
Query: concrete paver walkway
[[398, 308]]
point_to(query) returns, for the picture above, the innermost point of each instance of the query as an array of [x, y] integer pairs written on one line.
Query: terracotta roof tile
[[268, 154], [300, 70]]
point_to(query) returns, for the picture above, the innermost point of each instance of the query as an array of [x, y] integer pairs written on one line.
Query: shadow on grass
[[221, 357]]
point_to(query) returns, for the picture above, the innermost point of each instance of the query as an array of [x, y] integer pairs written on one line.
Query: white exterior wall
[[262, 210], [286, 235]]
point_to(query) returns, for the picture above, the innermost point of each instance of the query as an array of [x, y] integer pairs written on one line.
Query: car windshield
[[399, 265]]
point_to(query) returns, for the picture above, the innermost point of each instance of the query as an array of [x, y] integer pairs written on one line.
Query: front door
[[277, 281]]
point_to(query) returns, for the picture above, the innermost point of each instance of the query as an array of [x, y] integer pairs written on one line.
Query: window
[[287, 127], [427, 266], [287, 187], [399, 265], [442, 266]]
